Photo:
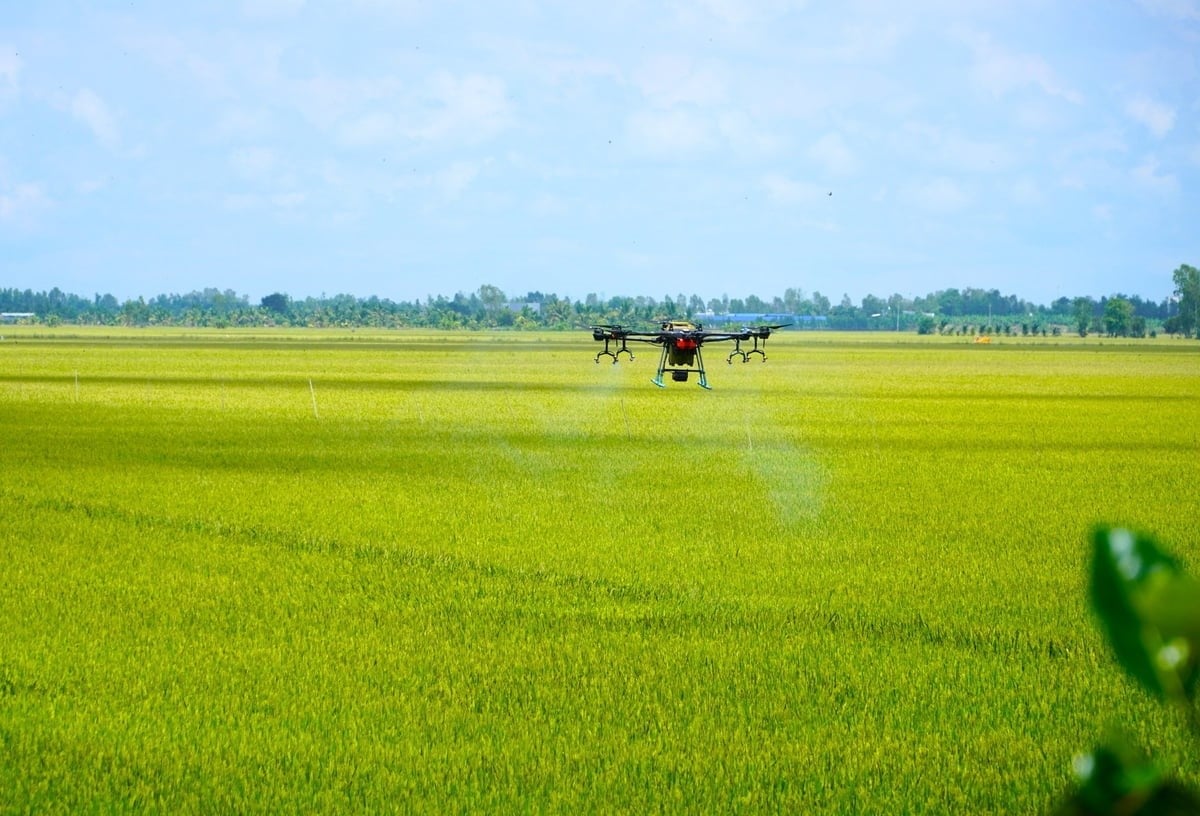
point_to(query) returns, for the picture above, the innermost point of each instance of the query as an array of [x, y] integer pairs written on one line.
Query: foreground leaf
[[1150, 610], [1114, 780]]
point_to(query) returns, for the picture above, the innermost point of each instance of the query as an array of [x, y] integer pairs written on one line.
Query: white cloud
[[327, 100], [1147, 176], [737, 13], [469, 108], [686, 112], [239, 123], [784, 190], [745, 136], [1025, 191], [687, 132], [669, 80], [453, 181], [10, 70], [669, 134], [831, 152], [950, 150], [1001, 72], [939, 195], [253, 162], [239, 202], [168, 52], [365, 112], [271, 8], [281, 203], [1159, 118], [549, 204], [1175, 9], [1072, 181], [288, 201], [21, 202], [869, 41], [403, 9], [90, 109], [975, 155], [369, 129]]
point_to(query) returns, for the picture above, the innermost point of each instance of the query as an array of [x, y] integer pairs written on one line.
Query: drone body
[[681, 341]]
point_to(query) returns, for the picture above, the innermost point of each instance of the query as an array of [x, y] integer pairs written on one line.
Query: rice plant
[[477, 572]]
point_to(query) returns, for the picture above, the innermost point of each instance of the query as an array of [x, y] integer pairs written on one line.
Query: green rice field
[[335, 571]]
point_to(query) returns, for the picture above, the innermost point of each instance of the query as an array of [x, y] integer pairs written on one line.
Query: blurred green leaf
[[1113, 779], [1150, 610]]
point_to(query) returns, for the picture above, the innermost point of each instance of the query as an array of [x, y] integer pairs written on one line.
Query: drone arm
[[723, 337], [636, 337]]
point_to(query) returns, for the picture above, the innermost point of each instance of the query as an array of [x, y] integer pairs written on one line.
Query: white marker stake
[[313, 391]]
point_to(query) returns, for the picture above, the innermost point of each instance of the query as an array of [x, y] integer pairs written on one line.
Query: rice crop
[[331, 571]]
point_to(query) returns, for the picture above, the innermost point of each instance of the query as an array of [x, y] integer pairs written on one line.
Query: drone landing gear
[[746, 355], [680, 374], [615, 355]]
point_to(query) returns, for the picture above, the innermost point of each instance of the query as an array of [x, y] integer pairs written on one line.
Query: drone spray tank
[[682, 352], [681, 356]]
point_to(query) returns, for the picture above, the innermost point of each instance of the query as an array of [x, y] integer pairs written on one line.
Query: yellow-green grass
[[396, 571]]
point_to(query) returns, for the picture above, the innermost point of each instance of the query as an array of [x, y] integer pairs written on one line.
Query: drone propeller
[[763, 331]]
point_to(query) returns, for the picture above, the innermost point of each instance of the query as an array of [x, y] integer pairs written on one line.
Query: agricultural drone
[[681, 342]]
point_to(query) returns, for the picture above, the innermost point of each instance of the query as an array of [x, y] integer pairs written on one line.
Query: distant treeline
[[947, 311]]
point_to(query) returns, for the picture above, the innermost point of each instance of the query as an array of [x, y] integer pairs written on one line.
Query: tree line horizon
[[944, 311]]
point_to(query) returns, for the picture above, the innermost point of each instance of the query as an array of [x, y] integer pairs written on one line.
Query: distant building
[[13, 317]]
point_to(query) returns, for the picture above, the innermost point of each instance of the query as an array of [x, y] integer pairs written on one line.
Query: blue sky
[[407, 148]]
